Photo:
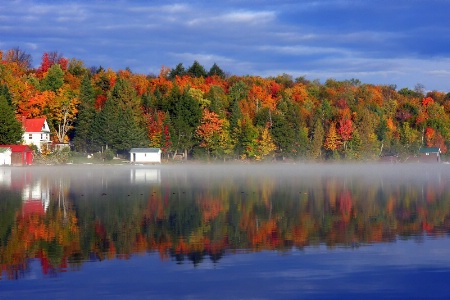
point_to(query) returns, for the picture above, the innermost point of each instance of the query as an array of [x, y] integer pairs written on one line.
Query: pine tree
[[215, 70], [196, 70], [53, 80], [5, 92], [317, 140], [178, 71], [10, 128], [185, 113], [86, 116], [120, 124]]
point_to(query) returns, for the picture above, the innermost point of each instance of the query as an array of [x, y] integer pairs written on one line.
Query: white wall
[[5, 158], [36, 139], [145, 157]]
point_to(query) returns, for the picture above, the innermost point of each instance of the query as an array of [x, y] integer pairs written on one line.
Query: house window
[[42, 136], [30, 136]]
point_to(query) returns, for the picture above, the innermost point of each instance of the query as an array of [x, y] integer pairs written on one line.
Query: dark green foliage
[[130, 133], [4, 91], [238, 91], [219, 100], [54, 79], [381, 129], [185, 113], [178, 71], [283, 133], [235, 116], [10, 128], [86, 116], [120, 125], [196, 70], [409, 93], [215, 70]]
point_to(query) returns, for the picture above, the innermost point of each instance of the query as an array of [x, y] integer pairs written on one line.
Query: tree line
[[215, 115]]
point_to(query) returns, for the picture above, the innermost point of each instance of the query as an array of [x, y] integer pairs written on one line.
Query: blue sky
[[402, 42]]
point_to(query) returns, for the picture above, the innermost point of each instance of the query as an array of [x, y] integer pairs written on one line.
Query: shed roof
[[145, 150], [430, 150], [17, 148]]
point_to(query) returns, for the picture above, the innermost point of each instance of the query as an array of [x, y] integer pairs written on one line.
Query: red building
[[21, 154]]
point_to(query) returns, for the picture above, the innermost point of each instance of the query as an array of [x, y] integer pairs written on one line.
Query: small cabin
[[145, 155], [5, 156], [20, 154], [430, 155]]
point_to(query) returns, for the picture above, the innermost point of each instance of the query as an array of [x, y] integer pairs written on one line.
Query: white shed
[[5, 156], [145, 155]]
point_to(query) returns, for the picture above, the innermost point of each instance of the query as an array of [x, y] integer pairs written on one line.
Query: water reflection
[[65, 217]]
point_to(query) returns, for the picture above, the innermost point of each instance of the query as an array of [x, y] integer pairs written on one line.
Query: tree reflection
[[183, 219]]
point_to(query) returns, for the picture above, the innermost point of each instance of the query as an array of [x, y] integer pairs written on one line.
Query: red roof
[[18, 148], [33, 125]]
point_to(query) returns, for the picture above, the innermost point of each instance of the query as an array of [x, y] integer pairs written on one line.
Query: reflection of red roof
[[17, 148], [33, 207], [34, 125]]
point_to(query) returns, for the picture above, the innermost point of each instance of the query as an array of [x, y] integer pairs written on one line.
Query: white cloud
[[236, 17]]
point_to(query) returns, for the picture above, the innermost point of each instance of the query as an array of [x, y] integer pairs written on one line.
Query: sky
[[395, 42]]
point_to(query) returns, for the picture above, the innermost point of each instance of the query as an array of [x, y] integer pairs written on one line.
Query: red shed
[[21, 154]]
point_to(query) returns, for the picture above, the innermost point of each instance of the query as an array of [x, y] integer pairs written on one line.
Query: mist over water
[[270, 230]]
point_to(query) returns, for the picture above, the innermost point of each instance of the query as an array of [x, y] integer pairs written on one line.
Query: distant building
[[429, 155], [145, 155], [36, 132], [20, 154]]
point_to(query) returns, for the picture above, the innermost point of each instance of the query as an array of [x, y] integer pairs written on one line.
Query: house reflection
[[35, 197], [139, 176], [5, 177]]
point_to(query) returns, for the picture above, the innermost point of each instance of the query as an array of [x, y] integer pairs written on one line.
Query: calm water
[[281, 231]]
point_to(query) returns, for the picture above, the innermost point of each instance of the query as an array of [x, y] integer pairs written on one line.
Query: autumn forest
[[209, 114]]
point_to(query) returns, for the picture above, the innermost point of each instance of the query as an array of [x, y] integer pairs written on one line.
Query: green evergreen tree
[[196, 70], [283, 134], [178, 71], [129, 132], [235, 127], [317, 140], [185, 113], [215, 70], [120, 124], [86, 116], [53, 80], [5, 92], [218, 100], [104, 133], [248, 138], [10, 128], [238, 91]]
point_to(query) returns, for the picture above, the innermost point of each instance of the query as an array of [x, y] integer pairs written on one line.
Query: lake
[[225, 231]]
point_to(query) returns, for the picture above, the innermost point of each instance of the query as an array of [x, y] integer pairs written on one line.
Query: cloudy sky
[[402, 42]]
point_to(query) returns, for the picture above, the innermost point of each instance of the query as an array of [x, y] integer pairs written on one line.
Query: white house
[[5, 156], [145, 155], [36, 132]]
